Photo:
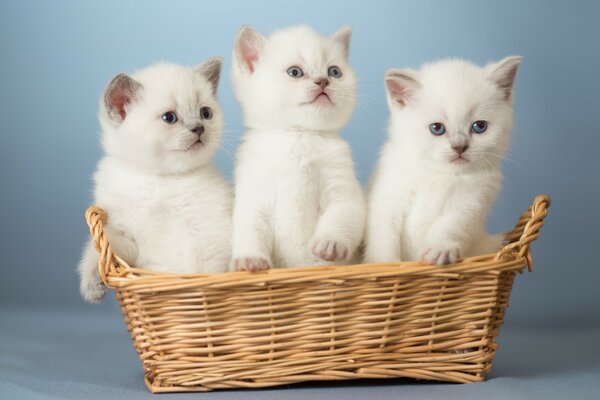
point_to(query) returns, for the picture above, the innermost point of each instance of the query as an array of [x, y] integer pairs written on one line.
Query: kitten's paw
[[251, 264], [440, 255], [464, 351], [329, 250], [92, 290]]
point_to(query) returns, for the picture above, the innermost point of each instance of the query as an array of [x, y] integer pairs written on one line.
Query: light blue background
[[56, 57]]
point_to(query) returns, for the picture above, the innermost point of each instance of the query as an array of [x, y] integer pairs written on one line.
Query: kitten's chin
[[315, 116]]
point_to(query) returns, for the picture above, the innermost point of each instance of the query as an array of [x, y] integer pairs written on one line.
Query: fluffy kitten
[[297, 199], [168, 208], [439, 172]]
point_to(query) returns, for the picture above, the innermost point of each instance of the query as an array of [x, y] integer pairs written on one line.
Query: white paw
[[441, 254], [92, 290], [251, 264], [329, 250], [464, 351]]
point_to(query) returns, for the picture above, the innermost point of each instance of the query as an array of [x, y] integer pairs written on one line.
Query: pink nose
[[460, 148], [322, 82]]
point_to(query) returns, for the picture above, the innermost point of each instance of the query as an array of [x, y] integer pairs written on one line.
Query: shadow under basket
[[282, 326]]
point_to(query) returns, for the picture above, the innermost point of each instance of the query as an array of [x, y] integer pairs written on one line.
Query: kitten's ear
[[247, 48], [504, 72], [211, 70], [343, 37], [119, 93], [401, 85]]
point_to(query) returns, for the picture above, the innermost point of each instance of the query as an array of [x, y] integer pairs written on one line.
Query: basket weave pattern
[[248, 330]]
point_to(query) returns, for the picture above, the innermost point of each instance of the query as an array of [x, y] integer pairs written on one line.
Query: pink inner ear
[[398, 91], [249, 55], [119, 100]]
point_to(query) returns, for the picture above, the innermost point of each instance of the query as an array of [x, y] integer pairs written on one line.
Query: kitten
[[168, 208], [297, 199], [439, 172]]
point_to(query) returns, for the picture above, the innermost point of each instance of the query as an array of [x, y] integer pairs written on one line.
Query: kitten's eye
[[295, 72], [206, 113], [437, 128], [169, 117], [334, 72], [479, 126]]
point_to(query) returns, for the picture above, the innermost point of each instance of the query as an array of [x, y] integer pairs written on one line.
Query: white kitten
[[297, 199], [439, 172], [168, 208]]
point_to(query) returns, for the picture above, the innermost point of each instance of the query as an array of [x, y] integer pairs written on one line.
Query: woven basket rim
[[116, 272]]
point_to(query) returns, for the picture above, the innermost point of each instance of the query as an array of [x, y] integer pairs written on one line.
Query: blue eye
[[437, 128], [295, 72], [479, 126], [334, 71], [169, 117], [206, 113]]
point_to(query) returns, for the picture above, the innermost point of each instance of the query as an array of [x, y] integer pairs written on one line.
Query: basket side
[[432, 328], [114, 271], [526, 231], [110, 265]]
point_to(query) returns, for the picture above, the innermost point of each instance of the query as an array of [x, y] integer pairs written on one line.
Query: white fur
[[168, 208], [297, 199], [422, 204]]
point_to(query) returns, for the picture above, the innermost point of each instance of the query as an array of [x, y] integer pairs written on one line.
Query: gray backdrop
[[56, 58]]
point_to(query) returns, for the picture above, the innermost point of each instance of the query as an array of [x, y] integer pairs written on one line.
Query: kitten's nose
[[460, 148], [198, 129], [322, 82]]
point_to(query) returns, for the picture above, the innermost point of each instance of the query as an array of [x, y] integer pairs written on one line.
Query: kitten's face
[[165, 118], [454, 114], [294, 79]]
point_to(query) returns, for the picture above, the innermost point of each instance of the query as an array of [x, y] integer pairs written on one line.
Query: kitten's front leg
[[339, 232], [383, 230], [341, 226], [452, 233], [446, 241], [91, 287], [252, 236]]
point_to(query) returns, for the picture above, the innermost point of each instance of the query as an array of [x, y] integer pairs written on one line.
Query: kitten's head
[[453, 113], [165, 118], [294, 78]]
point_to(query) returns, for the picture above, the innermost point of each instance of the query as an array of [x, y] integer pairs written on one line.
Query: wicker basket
[[250, 330]]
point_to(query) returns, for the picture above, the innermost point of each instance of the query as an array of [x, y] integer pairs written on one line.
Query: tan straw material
[[250, 330]]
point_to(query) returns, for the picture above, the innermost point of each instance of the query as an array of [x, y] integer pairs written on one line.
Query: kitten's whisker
[[503, 157], [229, 145]]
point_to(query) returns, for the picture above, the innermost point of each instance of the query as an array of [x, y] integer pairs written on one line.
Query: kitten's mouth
[[459, 160], [321, 98], [196, 145]]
